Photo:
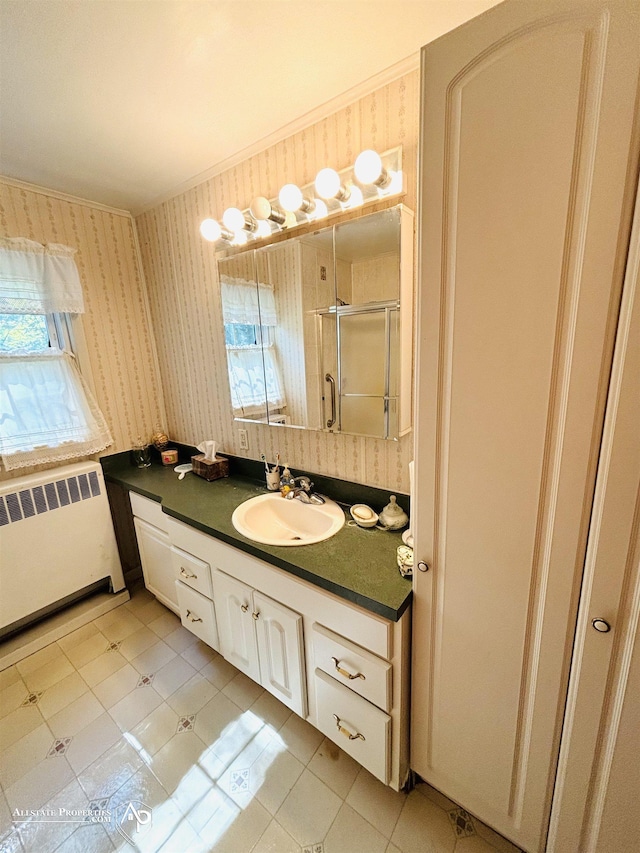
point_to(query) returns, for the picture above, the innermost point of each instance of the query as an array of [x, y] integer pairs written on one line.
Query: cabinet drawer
[[197, 614], [356, 668], [192, 571], [358, 727], [148, 510]]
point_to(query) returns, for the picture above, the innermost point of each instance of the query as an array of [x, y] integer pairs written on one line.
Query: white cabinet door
[[236, 630], [281, 650], [527, 185], [157, 566]]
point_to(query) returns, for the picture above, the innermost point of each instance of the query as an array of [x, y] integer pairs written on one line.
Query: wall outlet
[[243, 438]]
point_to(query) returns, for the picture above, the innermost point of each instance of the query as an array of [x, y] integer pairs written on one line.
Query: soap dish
[[363, 515]]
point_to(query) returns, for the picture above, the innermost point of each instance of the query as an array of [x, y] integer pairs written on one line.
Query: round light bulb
[[355, 199], [327, 183], [233, 219], [368, 166], [290, 198], [240, 238], [210, 230], [262, 210], [320, 210], [263, 229]]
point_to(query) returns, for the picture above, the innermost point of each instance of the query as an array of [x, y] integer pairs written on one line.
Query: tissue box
[[210, 470]]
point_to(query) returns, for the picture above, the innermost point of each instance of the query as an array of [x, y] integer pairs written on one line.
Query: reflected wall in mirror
[[318, 328]]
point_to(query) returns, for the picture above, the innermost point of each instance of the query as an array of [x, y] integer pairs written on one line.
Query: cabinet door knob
[[256, 615], [422, 566], [601, 625], [244, 607]]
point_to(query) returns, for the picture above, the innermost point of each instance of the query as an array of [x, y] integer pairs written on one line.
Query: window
[[249, 315], [47, 412]]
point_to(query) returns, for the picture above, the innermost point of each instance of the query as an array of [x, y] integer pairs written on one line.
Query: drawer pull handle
[[244, 607], [344, 731], [346, 673], [187, 574], [192, 618], [256, 615]]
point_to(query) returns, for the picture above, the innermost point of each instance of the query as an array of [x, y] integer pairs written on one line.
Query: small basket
[[210, 470]]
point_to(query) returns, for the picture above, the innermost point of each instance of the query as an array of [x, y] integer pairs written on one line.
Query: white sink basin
[[274, 520]]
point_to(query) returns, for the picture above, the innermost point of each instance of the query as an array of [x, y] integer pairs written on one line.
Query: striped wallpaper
[[180, 271]]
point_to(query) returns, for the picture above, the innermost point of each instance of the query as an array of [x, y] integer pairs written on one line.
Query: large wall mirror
[[318, 328]]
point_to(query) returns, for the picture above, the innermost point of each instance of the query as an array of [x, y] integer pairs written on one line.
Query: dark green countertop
[[356, 564]]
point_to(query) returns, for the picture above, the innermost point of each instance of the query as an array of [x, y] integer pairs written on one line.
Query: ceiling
[[126, 102]]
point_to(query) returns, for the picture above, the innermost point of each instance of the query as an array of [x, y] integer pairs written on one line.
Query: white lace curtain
[[246, 303], [47, 412], [37, 279]]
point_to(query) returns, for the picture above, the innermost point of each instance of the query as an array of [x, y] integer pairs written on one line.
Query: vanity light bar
[[373, 176]]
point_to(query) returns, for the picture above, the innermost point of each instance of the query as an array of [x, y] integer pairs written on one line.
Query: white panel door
[[236, 631], [598, 787], [157, 567], [281, 651], [526, 198]]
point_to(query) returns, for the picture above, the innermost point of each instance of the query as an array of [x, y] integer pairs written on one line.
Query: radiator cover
[[56, 538]]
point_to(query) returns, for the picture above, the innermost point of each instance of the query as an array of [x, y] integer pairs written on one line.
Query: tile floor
[[132, 710]]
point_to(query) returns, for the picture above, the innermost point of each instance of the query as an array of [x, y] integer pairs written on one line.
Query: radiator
[[56, 542]]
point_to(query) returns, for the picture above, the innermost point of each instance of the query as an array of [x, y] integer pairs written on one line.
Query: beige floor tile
[[241, 833], [336, 769], [9, 676], [102, 667], [474, 844], [487, 834], [88, 838], [309, 810], [351, 833], [243, 691], [144, 787], [271, 710], [180, 639], [275, 840], [40, 784], [301, 738], [62, 694], [24, 753], [421, 822], [194, 787], [38, 834], [219, 671], [6, 821], [391, 848], [137, 642], [192, 696], [125, 625], [110, 771], [199, 654], [49, 674], [134, 707], [140, 597], [117, 686], [172, 676], [164, 624], [70, 641], [94, 740], [213, 807], [12, 696], [156, 729], [39, 659], [377, 803], [273, 775], [226, 728], [150, 611], [171, 763], [183, 838], [88, 649], [435, 796], [153, 658], [76, 716]]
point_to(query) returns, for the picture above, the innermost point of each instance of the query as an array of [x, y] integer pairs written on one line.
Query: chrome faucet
[[302, 489]]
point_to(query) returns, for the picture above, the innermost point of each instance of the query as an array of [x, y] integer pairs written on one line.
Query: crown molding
[[85, 202], [334, 105]]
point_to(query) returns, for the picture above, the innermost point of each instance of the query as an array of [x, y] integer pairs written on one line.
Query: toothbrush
[[276, 467], [266, 464]]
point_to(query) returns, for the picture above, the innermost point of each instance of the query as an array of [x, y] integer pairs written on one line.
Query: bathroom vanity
[[324, 627]]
